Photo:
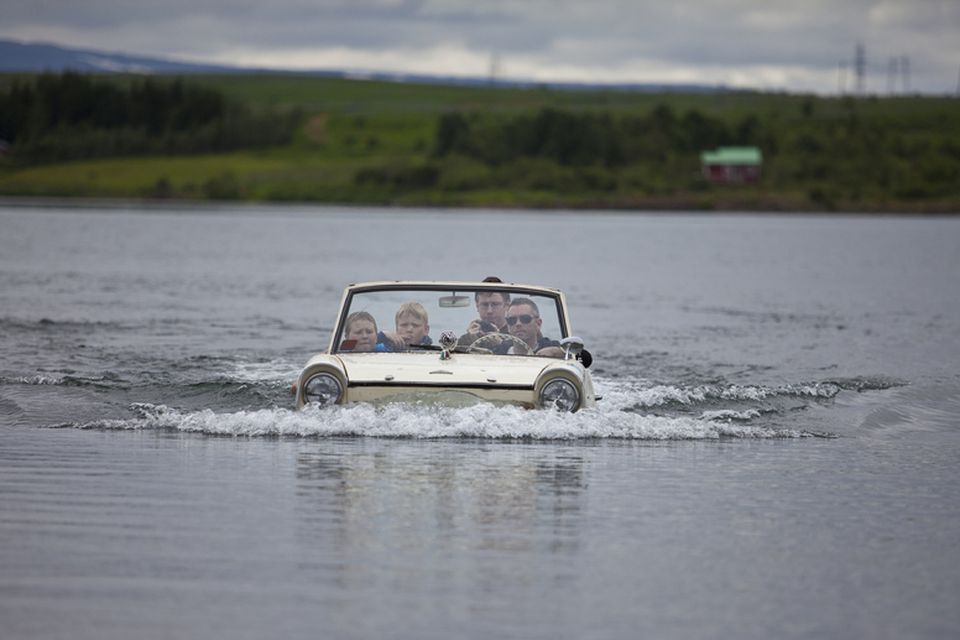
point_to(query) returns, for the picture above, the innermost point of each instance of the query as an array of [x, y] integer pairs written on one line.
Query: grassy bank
[[377, 143]]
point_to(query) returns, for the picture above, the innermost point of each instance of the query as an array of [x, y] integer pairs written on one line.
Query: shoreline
[[653, 207]]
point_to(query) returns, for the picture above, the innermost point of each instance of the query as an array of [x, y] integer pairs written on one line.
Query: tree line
[[846, 155], [576, 138], [55, 117], [844, 152]]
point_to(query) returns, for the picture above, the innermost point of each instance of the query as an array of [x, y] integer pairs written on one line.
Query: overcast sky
[[797, 46]]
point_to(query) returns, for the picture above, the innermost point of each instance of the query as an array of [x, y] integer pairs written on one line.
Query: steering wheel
[[490, 341]]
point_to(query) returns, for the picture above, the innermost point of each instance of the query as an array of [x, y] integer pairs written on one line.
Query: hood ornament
[[448, 340]]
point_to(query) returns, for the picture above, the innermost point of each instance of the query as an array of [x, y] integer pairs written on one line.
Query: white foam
[[34, 380], [626, 394], [621, 414], [273, 372], [430, 421], [727, 414]]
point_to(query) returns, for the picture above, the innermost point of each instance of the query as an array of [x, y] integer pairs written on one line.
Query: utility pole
[[494, 68], [860, 66], [905, 73], [893, 70]]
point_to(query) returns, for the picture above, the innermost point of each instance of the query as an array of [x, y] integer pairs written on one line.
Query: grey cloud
[[712, 35]]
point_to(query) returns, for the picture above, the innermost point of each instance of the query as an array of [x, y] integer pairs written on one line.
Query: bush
[[222, 187], [399, 176]]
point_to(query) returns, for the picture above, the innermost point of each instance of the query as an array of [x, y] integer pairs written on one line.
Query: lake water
[[776, 455]]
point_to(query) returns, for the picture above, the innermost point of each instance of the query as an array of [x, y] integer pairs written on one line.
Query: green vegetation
[[300, 138], [72, 116]]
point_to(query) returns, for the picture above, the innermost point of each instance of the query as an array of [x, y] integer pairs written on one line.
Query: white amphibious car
[[441, 342]]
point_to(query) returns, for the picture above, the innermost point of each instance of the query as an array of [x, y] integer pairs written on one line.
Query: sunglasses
[[525, 319]]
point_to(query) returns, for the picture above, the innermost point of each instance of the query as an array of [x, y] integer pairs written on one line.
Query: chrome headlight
[[561, 394], [323, 389]]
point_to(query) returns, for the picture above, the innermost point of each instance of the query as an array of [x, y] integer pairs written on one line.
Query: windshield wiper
[[425, 347], [435, 347]]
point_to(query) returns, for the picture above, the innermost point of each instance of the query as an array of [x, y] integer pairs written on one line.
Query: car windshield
[[514, 322]]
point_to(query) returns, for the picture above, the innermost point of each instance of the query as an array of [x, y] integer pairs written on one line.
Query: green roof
[[732, 155]]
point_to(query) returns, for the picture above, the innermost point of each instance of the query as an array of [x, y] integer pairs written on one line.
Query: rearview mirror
[[450, 302]]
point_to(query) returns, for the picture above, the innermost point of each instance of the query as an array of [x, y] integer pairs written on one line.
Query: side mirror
[[573, 348]]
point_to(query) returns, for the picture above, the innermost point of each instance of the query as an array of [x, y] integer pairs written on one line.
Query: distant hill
[[18, 57]]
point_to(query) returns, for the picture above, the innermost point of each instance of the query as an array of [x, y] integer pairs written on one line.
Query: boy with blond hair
[[413, 325]]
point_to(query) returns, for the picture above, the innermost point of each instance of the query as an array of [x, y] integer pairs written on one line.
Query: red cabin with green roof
[[732, 165]]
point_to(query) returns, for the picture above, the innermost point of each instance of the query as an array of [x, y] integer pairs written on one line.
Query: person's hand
[[550, 352], [474, 328], [394, 340]]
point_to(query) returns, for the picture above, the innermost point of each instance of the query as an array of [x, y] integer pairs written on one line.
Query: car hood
[[428, 369]]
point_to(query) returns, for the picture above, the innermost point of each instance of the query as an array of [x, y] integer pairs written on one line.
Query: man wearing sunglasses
[[524, 322]]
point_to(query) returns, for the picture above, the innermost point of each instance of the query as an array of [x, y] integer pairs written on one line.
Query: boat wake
[[629, 410], [481, 420], [247, 398]]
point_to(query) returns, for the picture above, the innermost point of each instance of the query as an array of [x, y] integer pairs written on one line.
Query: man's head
[[412, 322], [492, 305], [523, 321]]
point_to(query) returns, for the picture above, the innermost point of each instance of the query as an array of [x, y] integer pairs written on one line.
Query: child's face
[[365, 333], [411, 328]]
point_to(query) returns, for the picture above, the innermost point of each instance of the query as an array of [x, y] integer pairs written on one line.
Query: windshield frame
[[450, 287]]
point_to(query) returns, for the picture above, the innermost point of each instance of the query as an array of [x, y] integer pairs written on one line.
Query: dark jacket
[[383, 344]]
